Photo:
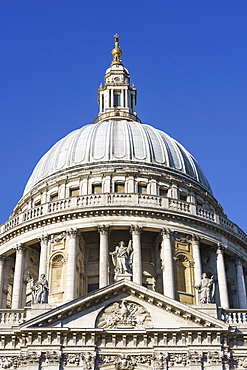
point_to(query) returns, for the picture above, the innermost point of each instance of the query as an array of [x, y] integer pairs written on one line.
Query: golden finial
[[116, 52]]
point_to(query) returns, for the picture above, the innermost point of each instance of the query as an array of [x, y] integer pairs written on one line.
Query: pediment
[[127, 306]]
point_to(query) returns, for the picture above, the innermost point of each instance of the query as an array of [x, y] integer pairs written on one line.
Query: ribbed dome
[[112, 141]]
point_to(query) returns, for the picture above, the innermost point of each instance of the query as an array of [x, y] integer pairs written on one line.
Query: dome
[[113, 141]]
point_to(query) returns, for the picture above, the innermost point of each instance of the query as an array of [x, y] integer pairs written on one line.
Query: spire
[[116, 52], [116, 99]]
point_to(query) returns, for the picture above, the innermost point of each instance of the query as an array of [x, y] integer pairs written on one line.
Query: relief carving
[[124, 314], [125, 361], [9, 362]]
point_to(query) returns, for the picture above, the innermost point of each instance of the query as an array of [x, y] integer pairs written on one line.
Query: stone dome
[[112, 141]]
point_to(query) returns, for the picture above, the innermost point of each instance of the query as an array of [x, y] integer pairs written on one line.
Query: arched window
[[57, 274], [184, 277]]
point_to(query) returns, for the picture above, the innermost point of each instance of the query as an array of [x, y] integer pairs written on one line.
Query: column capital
[[220, 249], [239, 260], [166, 233], [135, 229], [2, 259], [19, 248], [196, 238], [44, 239], [72, 233], [103, 229]]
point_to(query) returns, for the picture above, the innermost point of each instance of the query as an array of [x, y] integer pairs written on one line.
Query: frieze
[[178, 359], [124, 314], [86, 360], [9, 362], [125, 361], [30, 358]]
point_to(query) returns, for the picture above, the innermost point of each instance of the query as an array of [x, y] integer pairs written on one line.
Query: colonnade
[[167, 263]]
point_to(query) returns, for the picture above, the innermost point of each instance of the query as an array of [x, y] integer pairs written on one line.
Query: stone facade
[[119, 228]]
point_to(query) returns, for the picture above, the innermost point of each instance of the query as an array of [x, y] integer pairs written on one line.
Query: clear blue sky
[[188, 60]]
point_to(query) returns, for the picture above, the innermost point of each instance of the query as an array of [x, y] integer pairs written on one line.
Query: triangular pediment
[[124, 305]]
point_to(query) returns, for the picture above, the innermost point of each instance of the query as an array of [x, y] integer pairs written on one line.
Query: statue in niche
[[206, 289], [122, 258], [40, 290]]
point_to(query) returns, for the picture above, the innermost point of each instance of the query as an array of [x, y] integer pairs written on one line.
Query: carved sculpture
[[124, 314], [206, 289], [122, 258], [40, 290]]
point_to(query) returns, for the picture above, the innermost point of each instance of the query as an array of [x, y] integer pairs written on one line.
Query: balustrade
[[121, 199], [12, 317], [233, 316]]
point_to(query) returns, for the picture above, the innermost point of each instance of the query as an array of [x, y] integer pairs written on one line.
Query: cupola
[[116, 99]]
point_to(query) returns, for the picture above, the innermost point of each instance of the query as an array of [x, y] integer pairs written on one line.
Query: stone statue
[[206, 289], [40, 290], [122, 258]]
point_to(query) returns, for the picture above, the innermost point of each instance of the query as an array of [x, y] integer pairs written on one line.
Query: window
[[92, 287], [54, 197], [163, 192], [117, 100], [97, 188], [119, 187], [74, 192], [142, 188], [183, 197]]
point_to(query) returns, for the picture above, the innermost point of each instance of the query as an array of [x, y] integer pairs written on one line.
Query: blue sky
[[188, 60]]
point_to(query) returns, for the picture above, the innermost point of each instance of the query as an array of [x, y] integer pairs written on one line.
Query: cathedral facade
[[118, 256]]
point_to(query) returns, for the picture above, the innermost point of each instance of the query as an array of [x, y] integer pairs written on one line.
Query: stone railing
[[154, 202], [235, 317], [11, 317]]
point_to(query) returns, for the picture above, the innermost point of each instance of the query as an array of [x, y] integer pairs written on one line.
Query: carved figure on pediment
[[195, 358], [124, 314], [122, 258], [242, 362], [206, 289], [40, 290]]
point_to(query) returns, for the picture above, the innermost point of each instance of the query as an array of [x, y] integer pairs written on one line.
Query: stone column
[[43, 254], [222, 282], [103, 256], [241, 284], [71, 267], [167, 264], [197, 262], [2, 259], [137, 255], [18, 278]]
